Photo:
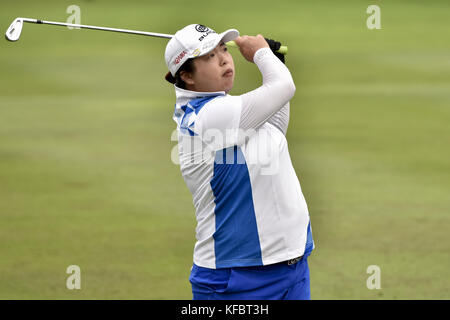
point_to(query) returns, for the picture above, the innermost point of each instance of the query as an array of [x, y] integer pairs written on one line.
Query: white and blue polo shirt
[[250, 208]]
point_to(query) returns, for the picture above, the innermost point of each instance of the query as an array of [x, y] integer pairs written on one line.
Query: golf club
[[15, 29]]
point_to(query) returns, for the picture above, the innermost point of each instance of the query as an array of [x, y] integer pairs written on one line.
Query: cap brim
[[170, 78], [229, 35]]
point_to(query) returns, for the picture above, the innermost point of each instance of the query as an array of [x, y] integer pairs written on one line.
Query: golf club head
[[14, 30]]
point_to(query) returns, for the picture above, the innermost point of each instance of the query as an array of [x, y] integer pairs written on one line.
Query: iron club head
[[14, 30]]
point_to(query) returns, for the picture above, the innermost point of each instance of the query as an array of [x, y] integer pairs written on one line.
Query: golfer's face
[[214, 71]]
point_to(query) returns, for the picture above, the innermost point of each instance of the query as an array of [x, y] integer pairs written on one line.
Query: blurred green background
[[86, 176]]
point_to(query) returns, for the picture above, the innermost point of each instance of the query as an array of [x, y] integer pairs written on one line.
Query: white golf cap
[[192, 41]]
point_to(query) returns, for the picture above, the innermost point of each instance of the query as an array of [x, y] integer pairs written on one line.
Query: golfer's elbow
[[291, 89], [287, 88]]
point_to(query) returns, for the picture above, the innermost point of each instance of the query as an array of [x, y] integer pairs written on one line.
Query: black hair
[[188, 66]]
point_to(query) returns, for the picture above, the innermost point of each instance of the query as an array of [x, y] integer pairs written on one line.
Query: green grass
[[85, 126]]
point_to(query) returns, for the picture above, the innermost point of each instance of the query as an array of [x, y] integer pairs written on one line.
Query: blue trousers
[[272, 282]]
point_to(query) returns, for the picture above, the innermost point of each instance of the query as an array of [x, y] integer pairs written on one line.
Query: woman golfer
[[253, 227]]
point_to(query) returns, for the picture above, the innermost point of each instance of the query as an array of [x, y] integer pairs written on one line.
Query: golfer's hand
[[248, 45]]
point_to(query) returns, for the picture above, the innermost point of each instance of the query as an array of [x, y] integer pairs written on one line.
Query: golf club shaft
[[151, 34], [282, 50]]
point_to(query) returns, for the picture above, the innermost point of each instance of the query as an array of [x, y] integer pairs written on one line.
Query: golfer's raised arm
[[277, 88]]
